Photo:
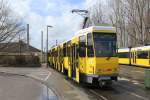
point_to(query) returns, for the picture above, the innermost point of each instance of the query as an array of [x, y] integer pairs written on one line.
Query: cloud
[[39, 13]]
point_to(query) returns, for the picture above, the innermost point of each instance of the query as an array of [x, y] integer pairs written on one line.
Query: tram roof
[[97, 28], [91, 29], [123, 50], [135, 48], [141, 48]]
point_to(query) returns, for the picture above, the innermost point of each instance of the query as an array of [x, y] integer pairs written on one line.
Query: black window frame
[[105, 37], [90, 49], [124, 55], [68, 49], [64, 49], [141, 54], [82, 46]]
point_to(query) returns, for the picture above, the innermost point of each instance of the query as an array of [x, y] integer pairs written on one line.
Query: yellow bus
[[90, 56]]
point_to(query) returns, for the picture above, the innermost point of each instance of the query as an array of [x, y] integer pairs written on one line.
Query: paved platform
[[25, 84], [66, 88]]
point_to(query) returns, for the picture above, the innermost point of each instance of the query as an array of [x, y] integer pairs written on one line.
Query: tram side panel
[[138, 58]]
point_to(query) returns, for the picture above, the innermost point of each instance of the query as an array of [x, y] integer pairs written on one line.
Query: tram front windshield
[[105, 44]]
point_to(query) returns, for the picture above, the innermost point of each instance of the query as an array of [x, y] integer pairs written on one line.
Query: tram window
[[64, 50], [82, 46], [142, 54], [90, 52], [123, 55], [77, 51], [149, 55], [68, 49], [104, 44]]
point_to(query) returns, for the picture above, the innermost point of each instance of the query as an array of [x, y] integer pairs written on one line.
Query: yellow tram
[[89, 57], [138, 56]]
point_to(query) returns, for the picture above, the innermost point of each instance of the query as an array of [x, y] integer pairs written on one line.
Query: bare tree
[[131, 18], [95, 14], [10, 25]]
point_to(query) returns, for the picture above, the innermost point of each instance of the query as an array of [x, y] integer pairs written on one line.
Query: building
[[19, 54], [18, 48]]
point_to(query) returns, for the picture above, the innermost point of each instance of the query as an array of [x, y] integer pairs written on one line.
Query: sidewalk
[[66, 88]]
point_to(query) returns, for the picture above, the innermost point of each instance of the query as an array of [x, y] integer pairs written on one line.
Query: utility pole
[[48, 26], [42, 46], [28, 38]]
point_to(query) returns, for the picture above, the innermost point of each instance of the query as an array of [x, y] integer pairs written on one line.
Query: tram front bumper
[[90, 78]]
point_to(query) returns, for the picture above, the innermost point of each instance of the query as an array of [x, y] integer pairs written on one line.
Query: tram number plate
[[104, 78]]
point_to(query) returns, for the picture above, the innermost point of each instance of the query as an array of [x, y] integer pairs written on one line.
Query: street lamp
[[48, 26]]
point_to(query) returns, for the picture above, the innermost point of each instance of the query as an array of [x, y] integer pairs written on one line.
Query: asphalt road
[[127, 88], [13, 87]]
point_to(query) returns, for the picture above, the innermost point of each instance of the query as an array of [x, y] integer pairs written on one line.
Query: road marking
[[43, 73], [130, 80], [123, 79], [138, 72], [132, 93], [47, 76], [102, 97]]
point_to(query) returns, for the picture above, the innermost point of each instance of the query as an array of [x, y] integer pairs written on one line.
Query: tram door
[[73, 61], [149, 57], [61, 60], [134, 57]]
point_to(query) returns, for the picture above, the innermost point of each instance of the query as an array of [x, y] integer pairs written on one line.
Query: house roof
[[17, 47]]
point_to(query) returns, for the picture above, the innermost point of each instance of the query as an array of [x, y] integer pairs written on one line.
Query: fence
[[20, 60]]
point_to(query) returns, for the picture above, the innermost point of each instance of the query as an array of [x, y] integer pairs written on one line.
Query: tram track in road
[[118, 91], [131, 92], [101, 97], [124, 89], [104, 93]]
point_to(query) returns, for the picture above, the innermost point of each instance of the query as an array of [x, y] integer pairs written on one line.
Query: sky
[[57, 13]]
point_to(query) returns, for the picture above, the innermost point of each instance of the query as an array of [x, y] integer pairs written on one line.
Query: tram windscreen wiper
[[108, 57]]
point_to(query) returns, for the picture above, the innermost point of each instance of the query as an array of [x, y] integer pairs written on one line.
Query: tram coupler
[[104, 82]]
